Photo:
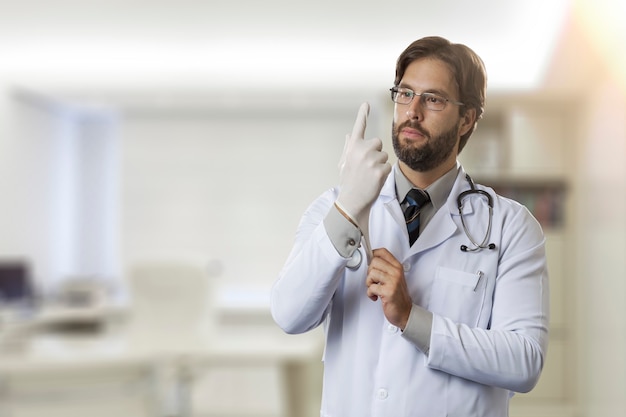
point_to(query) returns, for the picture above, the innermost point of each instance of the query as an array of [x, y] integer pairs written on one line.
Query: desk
[[40, 353]]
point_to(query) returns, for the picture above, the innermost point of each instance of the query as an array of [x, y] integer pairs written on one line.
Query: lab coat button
[[391, 328], [351, 242], [406, 266], [382, 394]]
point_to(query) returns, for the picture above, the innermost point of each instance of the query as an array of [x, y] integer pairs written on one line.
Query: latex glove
[[363, 169]]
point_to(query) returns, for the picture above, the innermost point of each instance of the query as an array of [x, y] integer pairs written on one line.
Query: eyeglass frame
[[395, 90]]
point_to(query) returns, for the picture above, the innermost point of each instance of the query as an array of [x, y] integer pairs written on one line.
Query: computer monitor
[[15, 283]]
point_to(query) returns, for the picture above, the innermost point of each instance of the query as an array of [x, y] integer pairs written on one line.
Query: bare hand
[[385, 280]]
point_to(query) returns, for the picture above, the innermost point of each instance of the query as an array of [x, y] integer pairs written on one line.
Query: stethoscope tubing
[[459, 201]]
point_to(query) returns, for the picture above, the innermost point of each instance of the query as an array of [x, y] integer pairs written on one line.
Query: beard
[[422, 158]]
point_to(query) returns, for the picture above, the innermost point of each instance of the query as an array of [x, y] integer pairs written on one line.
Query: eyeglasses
[[432, 101]]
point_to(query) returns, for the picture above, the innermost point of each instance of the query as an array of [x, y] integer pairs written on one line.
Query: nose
[[414, 109]]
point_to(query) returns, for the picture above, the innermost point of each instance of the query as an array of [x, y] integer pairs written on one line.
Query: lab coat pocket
[[458, 295]]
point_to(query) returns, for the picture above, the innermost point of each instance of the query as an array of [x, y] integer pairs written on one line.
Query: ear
[[468, 120]]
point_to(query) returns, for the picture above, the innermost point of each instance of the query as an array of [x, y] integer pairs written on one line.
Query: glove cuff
[[344, 212]]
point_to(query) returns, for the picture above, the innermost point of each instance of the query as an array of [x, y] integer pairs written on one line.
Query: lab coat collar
[[442, 226], [388, 192]]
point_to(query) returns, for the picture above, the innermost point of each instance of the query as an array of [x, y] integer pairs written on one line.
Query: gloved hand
[[363, 169]]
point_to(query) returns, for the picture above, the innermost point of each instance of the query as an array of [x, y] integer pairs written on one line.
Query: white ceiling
[[259, 44]]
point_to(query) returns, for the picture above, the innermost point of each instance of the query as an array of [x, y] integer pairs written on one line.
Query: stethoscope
[[459, 202], [355, 261]]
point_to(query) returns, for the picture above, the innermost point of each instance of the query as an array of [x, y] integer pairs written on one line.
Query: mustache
[[413, 125]]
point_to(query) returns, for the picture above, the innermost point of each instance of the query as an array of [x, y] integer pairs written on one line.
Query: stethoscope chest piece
[[355, 261]]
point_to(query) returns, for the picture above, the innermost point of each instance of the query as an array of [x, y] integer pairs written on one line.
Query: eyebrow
[[429, 90]]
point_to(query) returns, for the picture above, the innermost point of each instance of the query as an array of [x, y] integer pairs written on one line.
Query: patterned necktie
[[416, 200]]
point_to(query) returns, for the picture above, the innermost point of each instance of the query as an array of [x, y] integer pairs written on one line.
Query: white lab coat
[[490, 310]]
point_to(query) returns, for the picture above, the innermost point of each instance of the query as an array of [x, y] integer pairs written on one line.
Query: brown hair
[[467, 68]]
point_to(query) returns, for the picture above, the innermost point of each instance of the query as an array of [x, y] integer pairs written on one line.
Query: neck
[[422, 179]]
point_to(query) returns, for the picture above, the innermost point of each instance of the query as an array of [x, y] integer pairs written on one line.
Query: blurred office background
[[181, 141]]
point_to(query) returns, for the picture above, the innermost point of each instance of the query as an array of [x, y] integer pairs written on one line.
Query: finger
[[385, 255], [372, 280], [377, 144], [372, 292], [358, 131]]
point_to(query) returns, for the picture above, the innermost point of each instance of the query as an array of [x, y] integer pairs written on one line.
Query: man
[[449, 314]]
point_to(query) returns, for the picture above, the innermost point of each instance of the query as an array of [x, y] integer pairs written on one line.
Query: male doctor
[[448, 315]]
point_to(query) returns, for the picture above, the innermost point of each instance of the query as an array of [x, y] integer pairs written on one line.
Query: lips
[[412, 133]]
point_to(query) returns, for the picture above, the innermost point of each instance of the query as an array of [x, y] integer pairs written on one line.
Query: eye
[[406, 93], [433, 99]]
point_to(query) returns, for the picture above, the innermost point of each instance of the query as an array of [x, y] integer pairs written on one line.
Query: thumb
[[358, 131]]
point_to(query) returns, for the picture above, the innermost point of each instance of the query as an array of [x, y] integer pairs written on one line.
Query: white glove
[[363, 169]]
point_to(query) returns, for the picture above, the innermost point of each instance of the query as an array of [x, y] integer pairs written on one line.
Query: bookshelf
[[546, 200]]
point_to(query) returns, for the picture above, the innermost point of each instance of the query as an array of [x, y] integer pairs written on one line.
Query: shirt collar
[[438, 190]]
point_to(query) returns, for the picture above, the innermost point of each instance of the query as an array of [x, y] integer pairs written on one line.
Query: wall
[[206, 176], [600, 261], [228, 183], [60, 191], [38, 187]]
